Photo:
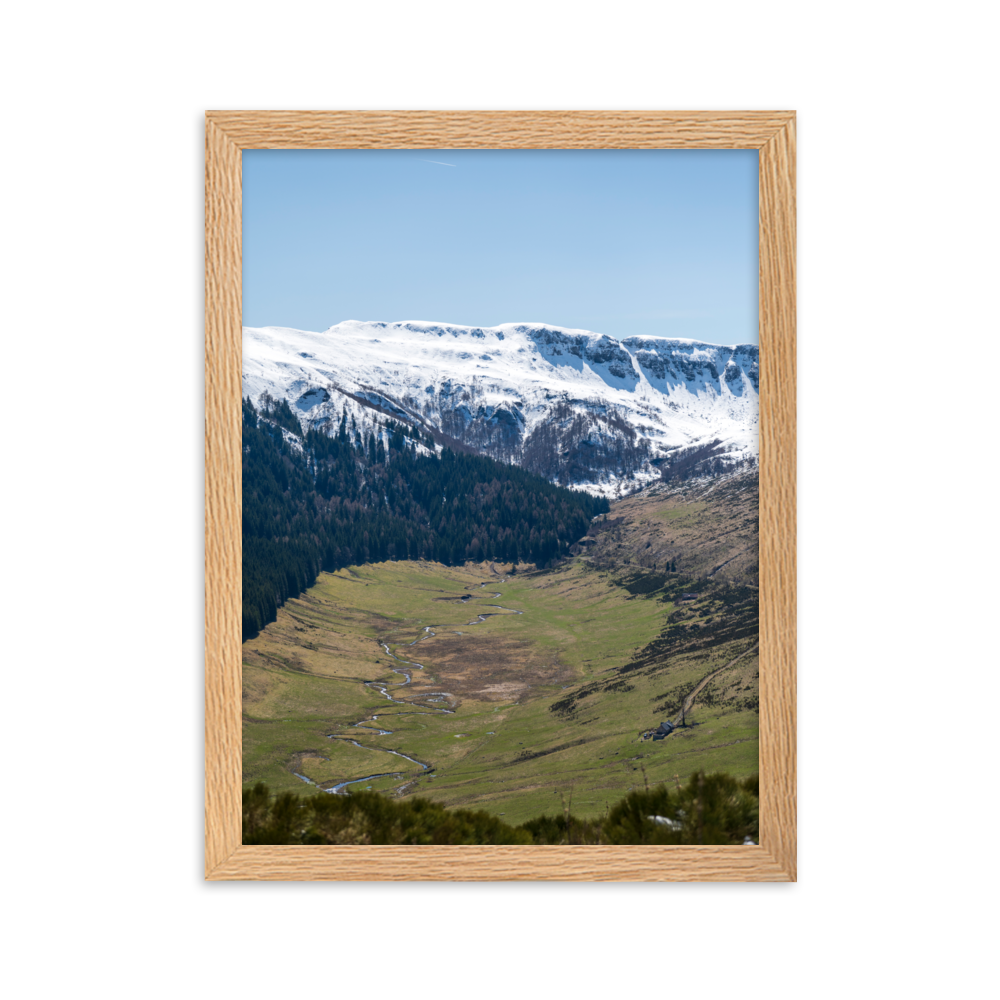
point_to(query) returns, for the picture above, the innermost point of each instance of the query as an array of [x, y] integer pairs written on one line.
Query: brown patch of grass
[[488, 668]]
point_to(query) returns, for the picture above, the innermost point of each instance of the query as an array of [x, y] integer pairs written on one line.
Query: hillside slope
[[312, 502]]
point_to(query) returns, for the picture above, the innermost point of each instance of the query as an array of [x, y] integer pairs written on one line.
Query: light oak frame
[[227, 133]]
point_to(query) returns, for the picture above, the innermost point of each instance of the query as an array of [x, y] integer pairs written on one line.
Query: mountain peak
[[580, 407]]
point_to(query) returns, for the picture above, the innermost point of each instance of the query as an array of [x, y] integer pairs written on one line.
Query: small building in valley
[[664, 729]]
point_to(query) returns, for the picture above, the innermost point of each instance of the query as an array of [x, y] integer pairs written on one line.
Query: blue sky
[[623, 242]]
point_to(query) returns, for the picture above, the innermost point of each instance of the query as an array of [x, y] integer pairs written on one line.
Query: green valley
[[516, 690]]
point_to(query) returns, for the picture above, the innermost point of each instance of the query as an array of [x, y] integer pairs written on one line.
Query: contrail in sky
[[440, 163]]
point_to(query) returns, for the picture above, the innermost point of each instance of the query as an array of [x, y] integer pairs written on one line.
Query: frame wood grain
[[227, 133]]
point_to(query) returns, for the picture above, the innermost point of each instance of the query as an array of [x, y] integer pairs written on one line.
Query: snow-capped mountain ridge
[[577, 406]]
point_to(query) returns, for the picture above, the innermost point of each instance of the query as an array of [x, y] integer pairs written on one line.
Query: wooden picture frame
[[227, 133]]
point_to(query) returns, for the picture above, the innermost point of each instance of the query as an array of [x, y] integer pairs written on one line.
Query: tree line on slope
[[317, 502]]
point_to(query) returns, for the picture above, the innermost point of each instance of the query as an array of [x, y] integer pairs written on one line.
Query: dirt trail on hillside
[[689, 700]]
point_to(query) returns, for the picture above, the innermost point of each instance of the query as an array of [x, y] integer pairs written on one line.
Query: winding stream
[[382, 687]]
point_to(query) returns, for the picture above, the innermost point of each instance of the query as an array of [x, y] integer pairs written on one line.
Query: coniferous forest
[[314, 501]]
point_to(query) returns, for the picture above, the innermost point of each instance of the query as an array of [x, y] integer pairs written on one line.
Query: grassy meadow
[[520, 714]]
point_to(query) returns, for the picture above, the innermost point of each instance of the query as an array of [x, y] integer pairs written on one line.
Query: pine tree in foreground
[[709, 809]]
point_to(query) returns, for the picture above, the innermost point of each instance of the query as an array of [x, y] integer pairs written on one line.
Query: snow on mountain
[[577, 407]]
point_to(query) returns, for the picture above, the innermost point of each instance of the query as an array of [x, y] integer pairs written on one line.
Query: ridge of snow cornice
[[456, 329], [524, 328], [423, 325], [683, 343]]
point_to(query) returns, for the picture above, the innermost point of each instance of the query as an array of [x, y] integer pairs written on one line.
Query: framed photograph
[[227, 134]]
